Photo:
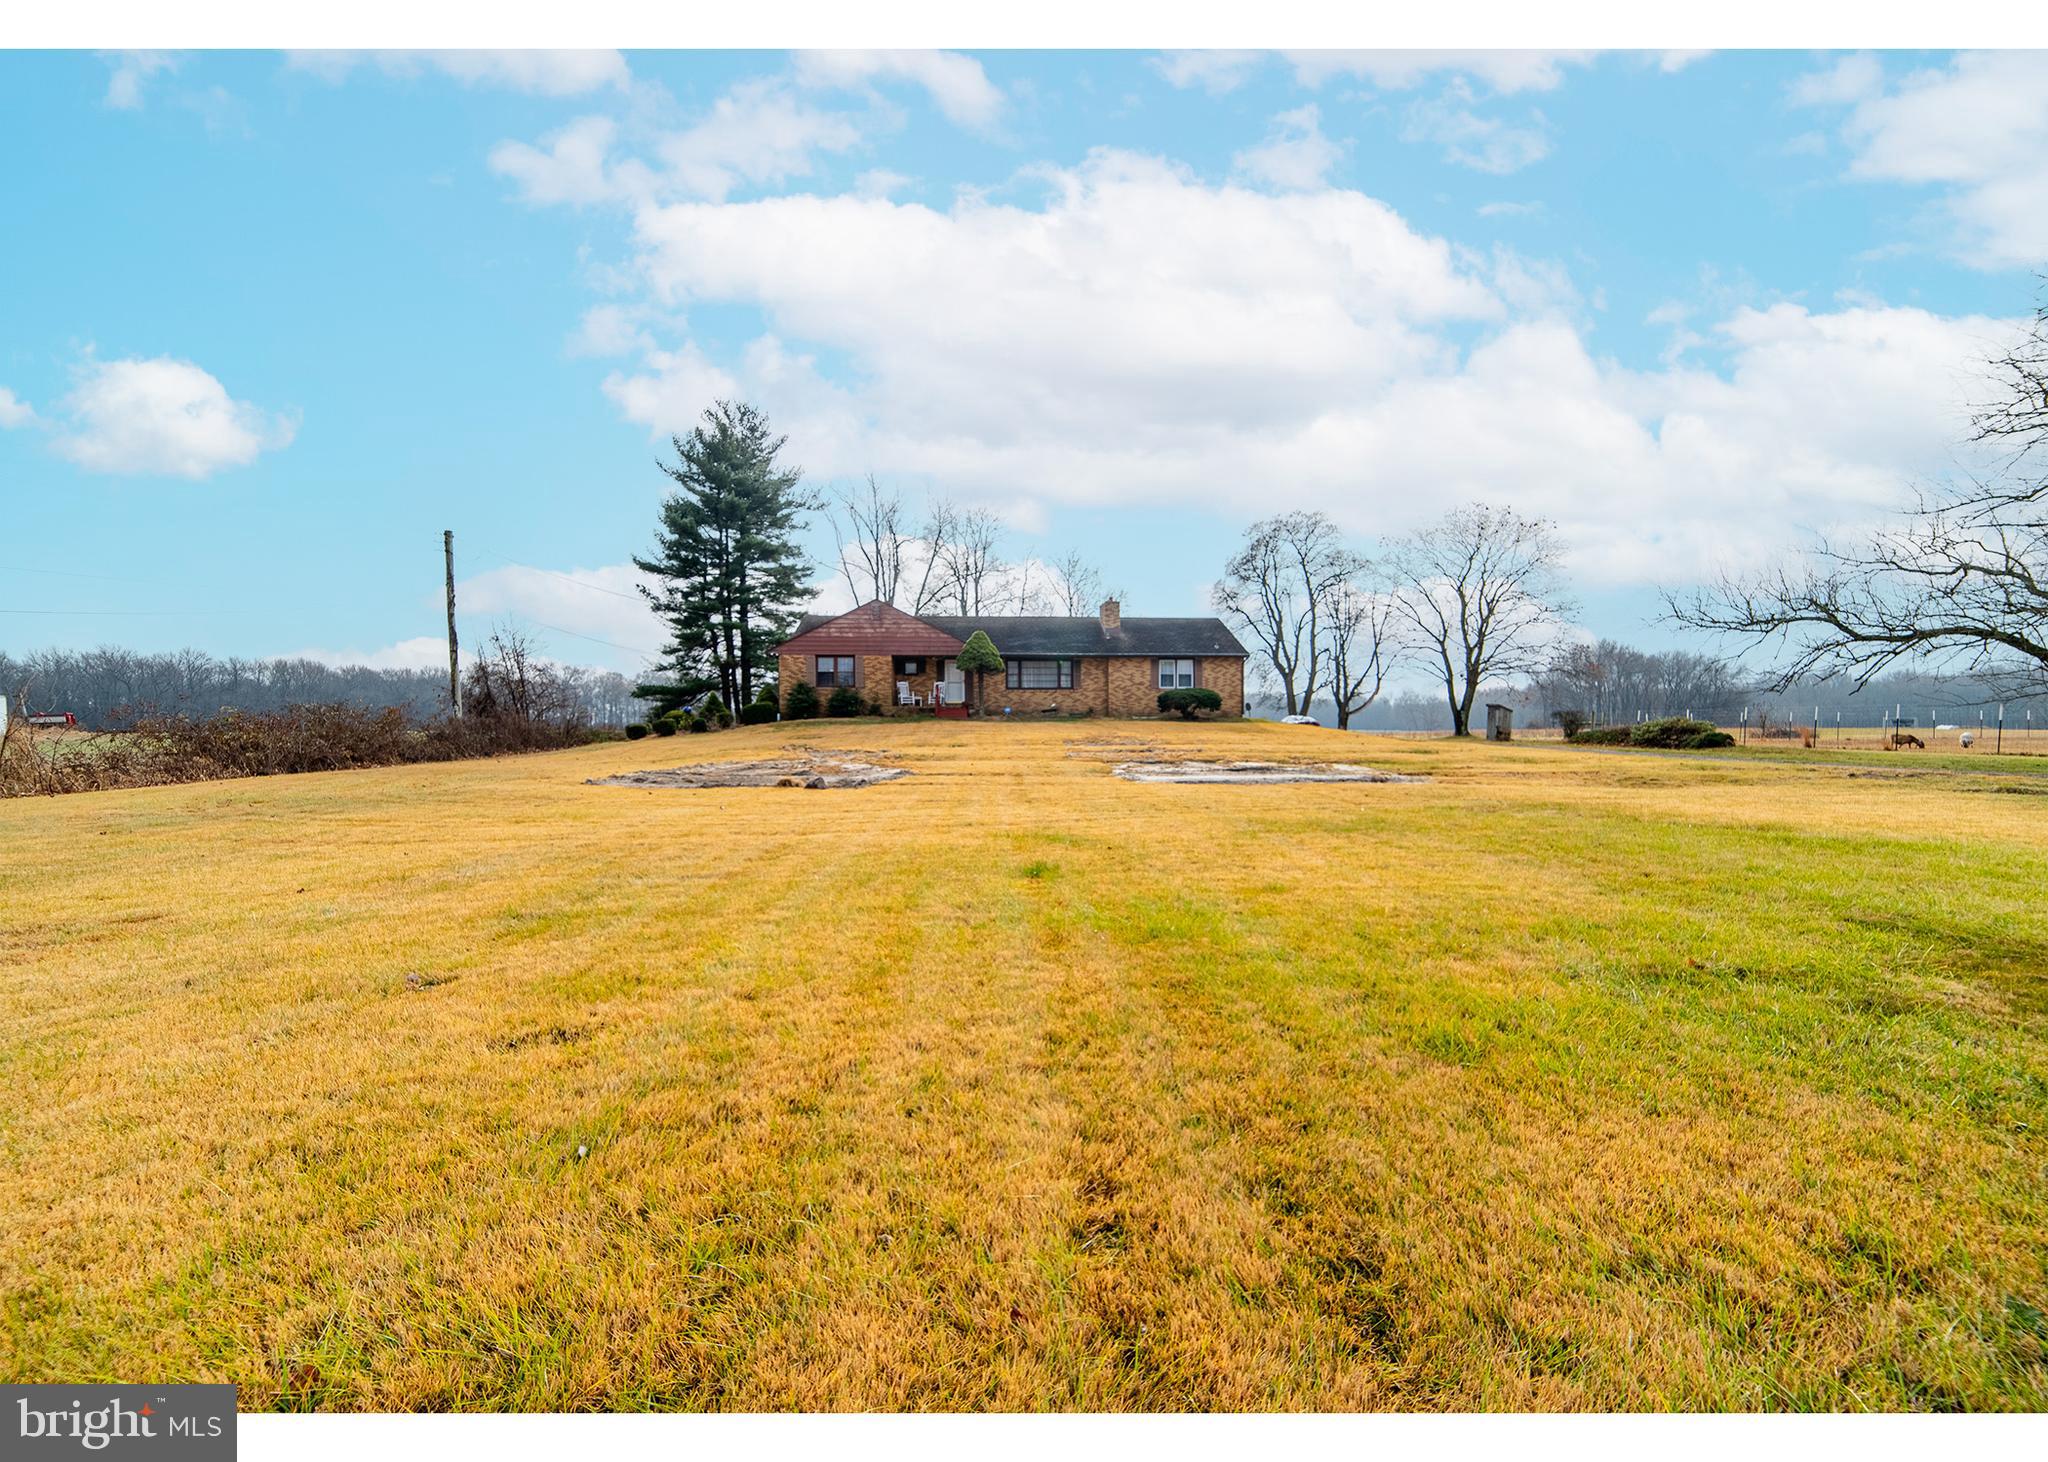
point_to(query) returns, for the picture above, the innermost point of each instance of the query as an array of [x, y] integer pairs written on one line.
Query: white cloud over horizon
[[589, 605], [163, 417], [421, 652], [1114, 346], [591, 616]]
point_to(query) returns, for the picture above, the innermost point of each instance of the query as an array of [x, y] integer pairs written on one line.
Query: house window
[[1176, 674], [834, 671], [909, 665], [1038, 674]]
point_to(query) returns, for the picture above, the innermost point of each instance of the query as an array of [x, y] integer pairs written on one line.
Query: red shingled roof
[[873, 629]]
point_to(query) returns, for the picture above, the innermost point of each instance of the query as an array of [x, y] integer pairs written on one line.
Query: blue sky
[[270, 323]]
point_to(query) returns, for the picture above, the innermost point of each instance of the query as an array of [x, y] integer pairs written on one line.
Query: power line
[[129, 613], [565, 578], [543, 624], [6, 568]]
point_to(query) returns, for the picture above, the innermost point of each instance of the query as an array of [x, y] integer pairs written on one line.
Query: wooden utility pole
[[454, 680]]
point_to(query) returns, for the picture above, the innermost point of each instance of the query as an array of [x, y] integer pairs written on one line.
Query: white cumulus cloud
[[130, 75], [163, 417], [1976, 127], [957, 84], [543, 73], [13, 410], [1216, 72], [1143, 337], [573, 167], [1472, 138], [1500, 71], [1295, 153], [759, 132]]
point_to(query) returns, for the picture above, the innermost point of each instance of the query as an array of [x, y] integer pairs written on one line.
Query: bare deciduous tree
[[1961, 583], [1362, 646], [1481, 594], [868, 526], [510, 679], [1277, 590], [971, 575], [1076, 586], [941, 522]]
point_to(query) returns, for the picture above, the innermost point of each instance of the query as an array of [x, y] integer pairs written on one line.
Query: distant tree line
[[1608, 682], [1612, 683], [108, 687]]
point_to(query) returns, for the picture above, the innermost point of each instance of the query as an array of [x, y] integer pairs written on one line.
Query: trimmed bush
[[1189, 701], [757, 713], [845, 701], [698, 723], [802, 701], [664, 725], [713, 709], [1601, 736], [978, 657], [636, 731], [1708, 741]]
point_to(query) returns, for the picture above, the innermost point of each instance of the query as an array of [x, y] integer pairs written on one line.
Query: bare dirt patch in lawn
[[1114, 748], [1255, 772], [787, 772]]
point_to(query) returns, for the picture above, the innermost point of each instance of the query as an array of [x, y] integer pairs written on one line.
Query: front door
[[952, 687]]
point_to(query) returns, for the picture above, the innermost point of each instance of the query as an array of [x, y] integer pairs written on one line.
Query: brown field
[[1560, 1080]]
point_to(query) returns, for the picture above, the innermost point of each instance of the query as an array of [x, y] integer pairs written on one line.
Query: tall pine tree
[[734, 581]]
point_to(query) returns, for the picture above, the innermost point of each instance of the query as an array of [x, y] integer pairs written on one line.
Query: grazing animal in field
[[1968, 739], [1906, 738]]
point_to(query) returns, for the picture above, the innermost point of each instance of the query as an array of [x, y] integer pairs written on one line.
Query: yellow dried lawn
[[1566, 1079]]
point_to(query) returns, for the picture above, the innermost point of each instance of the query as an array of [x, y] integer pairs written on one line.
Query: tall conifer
[[733, 580]]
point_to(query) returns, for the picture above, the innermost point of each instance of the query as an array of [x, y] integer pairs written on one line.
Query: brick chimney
[[1112, 614]]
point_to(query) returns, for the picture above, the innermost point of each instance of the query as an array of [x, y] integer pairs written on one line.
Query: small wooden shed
[[1500, 723]]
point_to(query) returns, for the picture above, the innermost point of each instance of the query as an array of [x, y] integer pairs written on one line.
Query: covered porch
[[895, 662]]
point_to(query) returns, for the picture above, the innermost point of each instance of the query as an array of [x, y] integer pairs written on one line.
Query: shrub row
[[1673, 733], [160, 750]]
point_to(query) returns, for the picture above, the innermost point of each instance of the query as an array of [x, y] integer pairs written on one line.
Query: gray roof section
[[1051, 634], [1020, 635]]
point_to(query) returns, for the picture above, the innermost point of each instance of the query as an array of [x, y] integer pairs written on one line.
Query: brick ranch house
[[1101, 664]]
